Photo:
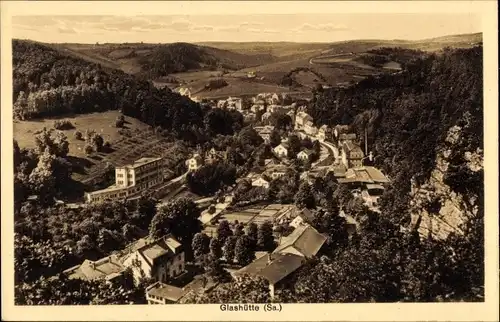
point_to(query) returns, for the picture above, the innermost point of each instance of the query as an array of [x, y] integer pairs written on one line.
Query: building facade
[[132, 179], [352, 155]]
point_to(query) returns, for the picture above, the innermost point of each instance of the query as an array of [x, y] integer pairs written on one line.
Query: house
[[371, 194], [153, 258], [158, 259], [234, 103], [131, 179], [261, 182], [161, 293], [301, 119], [281, 150], [194, 163], [251, 74], [109, 268], [213, 155], [305, 155], [352, 155], [184, 91], [304, 216], [303, 243], [310, 129], [338, 169], [346, 138], [324, 133], [359, 177], [258, 106], [250, 117], [277, 171], [265, 132], [221, 103]]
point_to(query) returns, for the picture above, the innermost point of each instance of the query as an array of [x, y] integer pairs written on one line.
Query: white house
[[159, 259], [301, 119], [194, 163], [281, 150], [304, 155], [260, 182]]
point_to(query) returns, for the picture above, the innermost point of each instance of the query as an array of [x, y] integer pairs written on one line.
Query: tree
[[246, 289], [88, 149], [265, 236], [342, 195], [179, 217], [253, 234], [243, 251], [120, 121], [200, 244], [238, 230], [215, 248], [78, 135], [224, 231], [229, 246], [216, 271], [304, 198], [275, 138]]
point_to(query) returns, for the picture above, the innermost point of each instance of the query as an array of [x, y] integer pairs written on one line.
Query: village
[[334, 150]]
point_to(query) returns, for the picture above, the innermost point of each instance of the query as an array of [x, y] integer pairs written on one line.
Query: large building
[[352, 155], [133, 179], [159, 259]]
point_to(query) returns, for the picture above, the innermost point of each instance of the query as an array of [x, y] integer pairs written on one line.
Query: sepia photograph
[[252, 159]]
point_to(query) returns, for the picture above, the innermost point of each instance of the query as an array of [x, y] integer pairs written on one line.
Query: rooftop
[[107, 267], [166, 291], [140, 162], [351, 147], [367, 174], [272, 267], [304, 239]]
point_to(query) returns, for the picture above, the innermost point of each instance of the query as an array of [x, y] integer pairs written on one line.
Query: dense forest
[[49, 83]]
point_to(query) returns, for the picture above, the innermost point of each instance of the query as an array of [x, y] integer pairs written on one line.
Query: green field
[[142, 142]]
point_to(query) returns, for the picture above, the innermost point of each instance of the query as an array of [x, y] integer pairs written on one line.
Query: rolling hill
[[195, 65]]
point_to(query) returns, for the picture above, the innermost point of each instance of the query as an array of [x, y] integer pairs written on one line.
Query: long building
[[132, 179]]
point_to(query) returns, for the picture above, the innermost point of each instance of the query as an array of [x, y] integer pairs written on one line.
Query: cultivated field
[[142, 142]]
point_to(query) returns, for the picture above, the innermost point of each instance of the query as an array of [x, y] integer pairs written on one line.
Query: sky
[[241, 27]]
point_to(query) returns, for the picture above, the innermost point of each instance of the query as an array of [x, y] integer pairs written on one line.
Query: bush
[[63, 125], [88, 149], [78, 135], [120, 121]]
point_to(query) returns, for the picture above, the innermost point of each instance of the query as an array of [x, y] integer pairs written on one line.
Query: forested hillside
[[407, 115], [48, 82]]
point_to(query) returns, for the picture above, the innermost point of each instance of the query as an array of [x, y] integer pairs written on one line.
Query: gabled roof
[[307, 152], [107, 267], [272, 267], [284, 145], [351, 147], [304, 239], [366, 174]]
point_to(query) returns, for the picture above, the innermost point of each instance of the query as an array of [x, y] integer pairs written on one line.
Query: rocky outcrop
[[437, 210]]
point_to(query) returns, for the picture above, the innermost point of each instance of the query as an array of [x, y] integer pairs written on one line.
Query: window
[[120, 175]]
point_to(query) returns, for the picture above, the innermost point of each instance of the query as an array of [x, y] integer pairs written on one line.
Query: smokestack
[[366, 142]]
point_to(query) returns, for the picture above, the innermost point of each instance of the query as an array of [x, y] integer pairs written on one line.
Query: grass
[[103, 123]]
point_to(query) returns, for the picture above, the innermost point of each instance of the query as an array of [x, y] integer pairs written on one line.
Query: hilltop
[[248, 68]]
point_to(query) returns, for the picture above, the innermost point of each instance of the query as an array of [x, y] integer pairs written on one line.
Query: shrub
[[88, 149], [120, 121], [78, 135], [63, 125]]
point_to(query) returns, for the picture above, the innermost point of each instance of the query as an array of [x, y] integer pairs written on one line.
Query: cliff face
[[437, 210]]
